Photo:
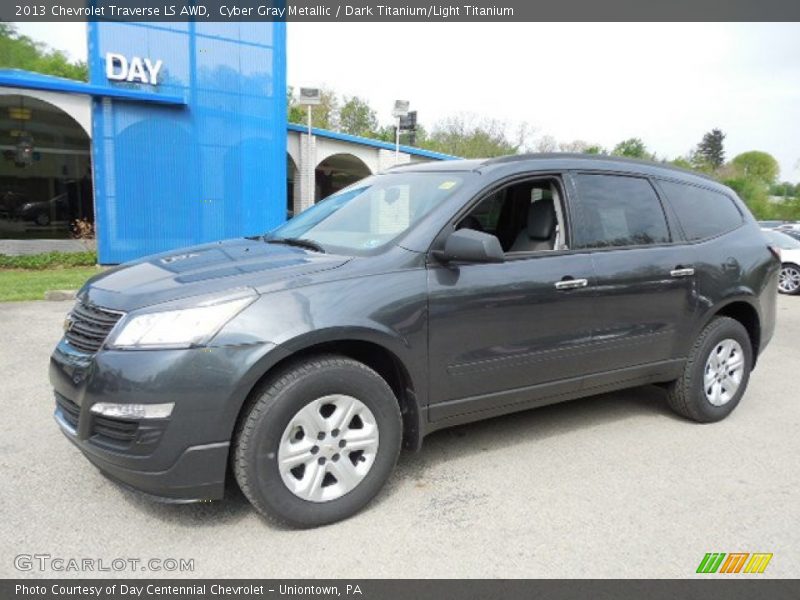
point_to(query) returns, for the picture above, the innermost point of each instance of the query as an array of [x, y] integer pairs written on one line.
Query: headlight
[[177, 328]]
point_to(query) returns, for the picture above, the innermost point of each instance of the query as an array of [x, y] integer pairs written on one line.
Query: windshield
[[781, 240], [371, 213]]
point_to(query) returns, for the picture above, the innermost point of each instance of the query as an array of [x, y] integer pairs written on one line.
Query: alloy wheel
[[789, 281]]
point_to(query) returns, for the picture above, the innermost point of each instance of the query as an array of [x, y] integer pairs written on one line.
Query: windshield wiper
[[299, 242]]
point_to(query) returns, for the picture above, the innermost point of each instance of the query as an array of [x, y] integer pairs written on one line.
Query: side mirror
[[468, 245]]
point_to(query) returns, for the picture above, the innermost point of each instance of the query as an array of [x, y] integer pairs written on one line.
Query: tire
[[272, 432], [789, 279], [689, 396], [42, 219]]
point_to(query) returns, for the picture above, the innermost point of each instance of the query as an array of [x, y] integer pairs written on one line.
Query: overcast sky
[[666, 83]]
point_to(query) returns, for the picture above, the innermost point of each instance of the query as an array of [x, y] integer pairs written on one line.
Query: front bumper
[[180, 458]]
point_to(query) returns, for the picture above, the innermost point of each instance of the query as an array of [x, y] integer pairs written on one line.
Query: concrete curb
[[59, 295]]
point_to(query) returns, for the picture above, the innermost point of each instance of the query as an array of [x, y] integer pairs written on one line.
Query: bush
[[48, 260]]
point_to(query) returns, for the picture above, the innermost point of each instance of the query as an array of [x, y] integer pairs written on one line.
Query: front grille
[[88, 326], [70, 411]]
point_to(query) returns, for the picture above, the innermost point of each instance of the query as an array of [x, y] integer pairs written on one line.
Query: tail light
[[776, 252]]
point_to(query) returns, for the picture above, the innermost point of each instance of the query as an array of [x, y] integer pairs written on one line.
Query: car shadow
[[526, 426], [446, 444]]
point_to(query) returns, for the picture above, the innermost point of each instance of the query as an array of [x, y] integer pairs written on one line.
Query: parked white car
[[789, 249]]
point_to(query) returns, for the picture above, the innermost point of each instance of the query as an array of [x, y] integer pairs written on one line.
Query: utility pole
[[400, 110]]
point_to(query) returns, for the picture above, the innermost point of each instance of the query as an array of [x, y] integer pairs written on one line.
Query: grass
[[48, 260], [21, 284]]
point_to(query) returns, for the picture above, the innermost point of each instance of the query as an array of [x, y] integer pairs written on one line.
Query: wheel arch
[[367, 347], [745, 312]]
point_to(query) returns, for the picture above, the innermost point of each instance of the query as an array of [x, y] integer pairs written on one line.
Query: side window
[[487, 213], [702, 213], [615, 210], [525, 216]]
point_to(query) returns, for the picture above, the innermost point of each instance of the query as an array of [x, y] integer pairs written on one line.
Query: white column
[[297, 202], [386, 159], [305, 184]]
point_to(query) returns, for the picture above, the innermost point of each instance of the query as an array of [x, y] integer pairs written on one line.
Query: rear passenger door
[[644, 299]]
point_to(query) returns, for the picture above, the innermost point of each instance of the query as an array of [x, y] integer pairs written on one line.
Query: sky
[[667, 83]]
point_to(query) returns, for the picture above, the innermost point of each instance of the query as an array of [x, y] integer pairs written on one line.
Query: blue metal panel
[[355, 139], [171, 176], [36, 81]]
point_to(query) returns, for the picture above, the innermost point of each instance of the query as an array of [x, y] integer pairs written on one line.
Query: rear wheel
[[789, 281], [716, 373], [319, 441]]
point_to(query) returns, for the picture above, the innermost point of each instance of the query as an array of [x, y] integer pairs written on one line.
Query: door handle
[[682, 272], [571, 284]]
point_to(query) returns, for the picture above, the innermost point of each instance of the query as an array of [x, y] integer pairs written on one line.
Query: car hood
[[203, 270]]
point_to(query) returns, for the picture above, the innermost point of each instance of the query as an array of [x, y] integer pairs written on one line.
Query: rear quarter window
[[702, 213]]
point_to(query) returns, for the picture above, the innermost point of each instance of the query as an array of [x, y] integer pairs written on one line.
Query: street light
[[310, 97], [400, 111]]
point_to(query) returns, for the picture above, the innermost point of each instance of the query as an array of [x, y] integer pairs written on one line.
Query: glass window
[[618, 211], [45, 171], [372, 212], [703, 213]]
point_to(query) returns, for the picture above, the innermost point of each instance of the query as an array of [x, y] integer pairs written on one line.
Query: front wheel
[[789, 279], [319, 441], [716, 373]]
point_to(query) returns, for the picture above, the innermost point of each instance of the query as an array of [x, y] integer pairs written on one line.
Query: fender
[[739, 295], [325, 340]]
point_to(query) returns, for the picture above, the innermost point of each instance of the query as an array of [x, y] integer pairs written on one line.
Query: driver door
[[508, 334]]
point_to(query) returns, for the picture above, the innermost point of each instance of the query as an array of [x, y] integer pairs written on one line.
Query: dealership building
[[179, 137]]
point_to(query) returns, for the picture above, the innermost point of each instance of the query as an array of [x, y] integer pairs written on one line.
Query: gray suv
[[431, 295]]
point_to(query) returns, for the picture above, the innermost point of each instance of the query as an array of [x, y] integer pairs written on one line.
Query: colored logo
[[735, 562]]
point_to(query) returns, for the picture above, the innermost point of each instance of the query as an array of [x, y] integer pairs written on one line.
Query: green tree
[[357, 117], [754, 194], [785, 190], [469, 137], [21, 52], [323, 115], [788, 210], [757, 166], [681, 162], [595, 149], [632, 148], [710, 152]]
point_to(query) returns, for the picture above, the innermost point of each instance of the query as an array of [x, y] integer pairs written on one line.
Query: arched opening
[[337, 172], [45, 170], [291, 176]]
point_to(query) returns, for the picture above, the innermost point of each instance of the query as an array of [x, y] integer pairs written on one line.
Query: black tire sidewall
[[719, 330], [325, 377]]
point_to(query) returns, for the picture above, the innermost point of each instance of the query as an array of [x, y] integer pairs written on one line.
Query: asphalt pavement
[[609, 486]]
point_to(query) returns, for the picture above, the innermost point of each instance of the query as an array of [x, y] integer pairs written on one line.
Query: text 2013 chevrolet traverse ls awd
[[420, 298]]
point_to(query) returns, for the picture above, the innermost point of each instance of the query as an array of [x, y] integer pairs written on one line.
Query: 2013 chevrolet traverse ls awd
[[424, 297]]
